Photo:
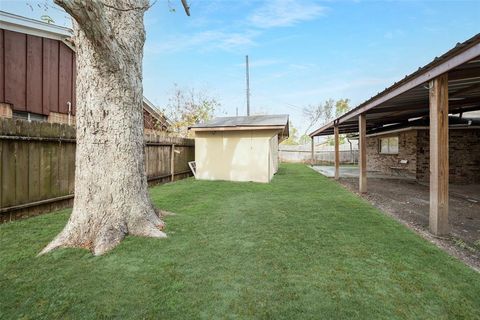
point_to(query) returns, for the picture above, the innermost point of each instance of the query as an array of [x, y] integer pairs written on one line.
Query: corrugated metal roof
[[453, 122], [245, 121], [409, 98]]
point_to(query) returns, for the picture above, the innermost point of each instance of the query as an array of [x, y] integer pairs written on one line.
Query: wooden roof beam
[[463, 91]]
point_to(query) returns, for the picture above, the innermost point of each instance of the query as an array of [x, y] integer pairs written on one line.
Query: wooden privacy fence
[[37, 165]]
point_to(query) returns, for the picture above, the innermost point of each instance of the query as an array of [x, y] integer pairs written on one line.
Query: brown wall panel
[[34, 74], [2, 69], [50, 75], [74, 84], [65, 78], [15, 69]]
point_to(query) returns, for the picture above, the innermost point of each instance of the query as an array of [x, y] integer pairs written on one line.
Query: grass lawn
[[300, 247]]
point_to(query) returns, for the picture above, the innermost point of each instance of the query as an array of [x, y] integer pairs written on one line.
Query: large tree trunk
[[111, 197]]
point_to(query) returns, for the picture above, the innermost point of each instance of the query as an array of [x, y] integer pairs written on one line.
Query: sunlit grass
[[299, 247]]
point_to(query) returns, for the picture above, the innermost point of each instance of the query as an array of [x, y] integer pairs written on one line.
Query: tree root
[[58, 242], [107, 237], [164, 213], [107, 240]]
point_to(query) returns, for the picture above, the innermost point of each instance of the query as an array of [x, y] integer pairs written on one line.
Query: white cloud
[[240, 35], [204, 41], [235, 40], [393, 34], [302, 66], [256, 63], [338, 89], [283, 13]]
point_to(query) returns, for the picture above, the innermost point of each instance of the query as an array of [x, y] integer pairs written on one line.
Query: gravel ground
[[408, 202]]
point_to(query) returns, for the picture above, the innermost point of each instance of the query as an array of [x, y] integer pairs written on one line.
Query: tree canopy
[[322, 113], [187, 107]]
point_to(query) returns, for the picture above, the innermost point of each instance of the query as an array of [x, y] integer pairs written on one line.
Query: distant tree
[[304, 139], [292, 136], [187, 107], [341, 106], [323, 113]]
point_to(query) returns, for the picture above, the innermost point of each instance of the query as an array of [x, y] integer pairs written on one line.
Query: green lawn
[[300, 247]]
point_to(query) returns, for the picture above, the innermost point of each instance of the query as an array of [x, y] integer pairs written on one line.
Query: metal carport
[[450, 84]]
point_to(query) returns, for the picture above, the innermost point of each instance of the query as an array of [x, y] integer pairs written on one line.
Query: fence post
[[172, 163], [313, 151], [337, 152]]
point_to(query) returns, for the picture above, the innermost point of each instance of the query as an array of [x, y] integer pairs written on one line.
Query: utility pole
[[248, 86]]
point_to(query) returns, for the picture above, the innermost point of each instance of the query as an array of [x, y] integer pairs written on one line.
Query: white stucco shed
[[239, 148]]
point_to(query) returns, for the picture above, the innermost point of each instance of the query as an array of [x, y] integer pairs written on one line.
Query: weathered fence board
[[1, 171], [63, 169], [54, 167], [37, 165], [46, 172], [21, 174], [34, 172], [8, 174]]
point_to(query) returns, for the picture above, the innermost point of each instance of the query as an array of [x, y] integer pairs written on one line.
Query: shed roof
[[259, 122], [245, 121], [408, 98]]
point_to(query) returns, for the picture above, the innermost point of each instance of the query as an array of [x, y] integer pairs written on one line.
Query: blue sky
[[301, 52]]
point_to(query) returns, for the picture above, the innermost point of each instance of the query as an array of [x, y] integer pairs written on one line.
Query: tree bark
[[111, 196]]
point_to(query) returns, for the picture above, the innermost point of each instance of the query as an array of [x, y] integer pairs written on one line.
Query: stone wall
[[407, 150], [464, 156]]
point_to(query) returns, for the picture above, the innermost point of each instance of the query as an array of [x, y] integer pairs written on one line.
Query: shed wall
[[273, 157], [233, 155]]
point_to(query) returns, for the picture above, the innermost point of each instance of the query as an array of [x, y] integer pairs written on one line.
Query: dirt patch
[[408, 202]]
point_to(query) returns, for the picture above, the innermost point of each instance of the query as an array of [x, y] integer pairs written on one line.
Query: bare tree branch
[[186, 7]]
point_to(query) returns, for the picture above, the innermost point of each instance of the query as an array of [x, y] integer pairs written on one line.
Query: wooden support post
[[313, 151], [439, 155], [362, 161], [172, 163], [337, 153]]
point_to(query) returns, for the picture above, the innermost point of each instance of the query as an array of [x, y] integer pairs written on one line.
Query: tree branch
[[186, 7], [91, 18]]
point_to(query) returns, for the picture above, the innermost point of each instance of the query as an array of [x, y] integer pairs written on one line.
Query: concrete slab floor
[[408, 201], [352, 172]]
